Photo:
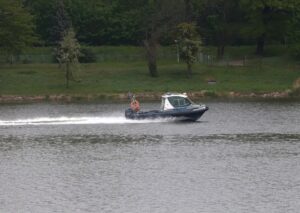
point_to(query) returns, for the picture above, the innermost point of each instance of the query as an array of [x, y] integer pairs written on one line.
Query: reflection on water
[[241, 157]]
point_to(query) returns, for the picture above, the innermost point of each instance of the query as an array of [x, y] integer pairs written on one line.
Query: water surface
[[240, 157]]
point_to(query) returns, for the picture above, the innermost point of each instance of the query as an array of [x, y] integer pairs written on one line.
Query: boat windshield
[[178, 101]]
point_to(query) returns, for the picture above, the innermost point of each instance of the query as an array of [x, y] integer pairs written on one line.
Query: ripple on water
[[240, 157]]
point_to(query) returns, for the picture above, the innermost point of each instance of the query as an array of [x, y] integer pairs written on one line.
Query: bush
[[87, 56]]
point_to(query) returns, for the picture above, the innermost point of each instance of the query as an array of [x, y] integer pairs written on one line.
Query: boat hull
[[179, 114]]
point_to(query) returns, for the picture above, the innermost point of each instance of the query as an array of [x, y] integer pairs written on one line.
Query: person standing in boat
[[134, 105]]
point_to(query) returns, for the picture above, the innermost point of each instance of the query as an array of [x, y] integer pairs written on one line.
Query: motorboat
[[175, 106]]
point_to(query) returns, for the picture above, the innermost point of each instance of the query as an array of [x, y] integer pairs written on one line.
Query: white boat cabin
[[175, 100]]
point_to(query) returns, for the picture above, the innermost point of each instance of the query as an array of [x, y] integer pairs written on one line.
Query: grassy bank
[[259, 76], [122, 69]]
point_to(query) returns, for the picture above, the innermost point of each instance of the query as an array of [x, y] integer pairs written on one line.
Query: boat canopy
[[174, 100]]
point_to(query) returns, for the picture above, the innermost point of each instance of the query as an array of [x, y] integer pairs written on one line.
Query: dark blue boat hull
[[191, 114]]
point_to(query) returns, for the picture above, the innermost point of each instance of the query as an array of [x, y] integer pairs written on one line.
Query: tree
[[51, 19], [159, 17], [219, 22], [267, 19], [152, 20], [68, 53], [95, 22], [62, 22], [16, 27], [90, 20], [293, 33], [188, 10], [188, 44]]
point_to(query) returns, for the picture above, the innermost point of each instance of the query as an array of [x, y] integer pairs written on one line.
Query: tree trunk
[[189, 70], [11, 60], [260, 45], [221, 50], [150, 46], [67, 75]]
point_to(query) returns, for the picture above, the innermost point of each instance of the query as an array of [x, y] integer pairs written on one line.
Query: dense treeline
[[148, 22], [69, 25]]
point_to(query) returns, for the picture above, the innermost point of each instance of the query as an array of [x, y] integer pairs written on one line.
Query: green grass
[[137, 53], [268, 75]]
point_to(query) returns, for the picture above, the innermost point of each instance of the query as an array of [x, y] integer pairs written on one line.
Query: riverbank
[[271, 77], [145, 96]]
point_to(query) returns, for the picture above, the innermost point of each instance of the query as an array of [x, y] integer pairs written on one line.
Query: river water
[[240, 157]]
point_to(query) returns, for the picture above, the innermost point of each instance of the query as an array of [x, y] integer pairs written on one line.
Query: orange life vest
[[135, 105]]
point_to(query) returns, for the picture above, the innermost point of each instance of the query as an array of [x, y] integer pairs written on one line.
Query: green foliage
[[159, 18], [267, 20], [68, 53], [51, 19], [188, 41], [16, 27], [293, 34], [69, 48], [220, 22], [96, 22]]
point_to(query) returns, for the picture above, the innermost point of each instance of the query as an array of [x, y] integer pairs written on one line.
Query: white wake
[[75, 120]]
